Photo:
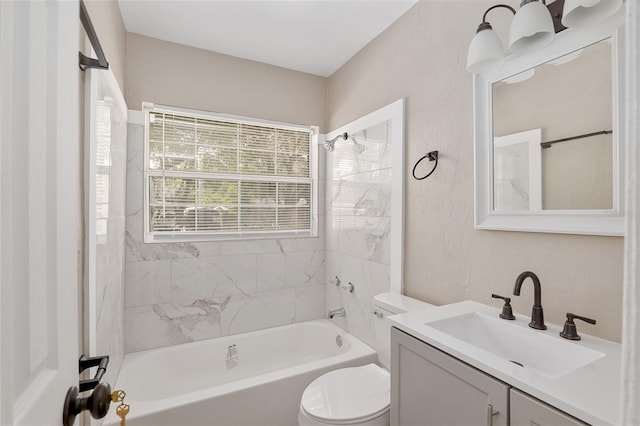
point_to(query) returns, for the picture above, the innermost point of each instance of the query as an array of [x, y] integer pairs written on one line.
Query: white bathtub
[[191, 384]]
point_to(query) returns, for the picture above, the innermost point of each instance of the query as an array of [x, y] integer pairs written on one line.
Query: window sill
[[196, 237]]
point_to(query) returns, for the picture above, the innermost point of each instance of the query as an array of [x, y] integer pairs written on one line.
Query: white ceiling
[[313, 36]]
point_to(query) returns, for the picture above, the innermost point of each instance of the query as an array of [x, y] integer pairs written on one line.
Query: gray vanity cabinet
[[527, 411], [430, 388]]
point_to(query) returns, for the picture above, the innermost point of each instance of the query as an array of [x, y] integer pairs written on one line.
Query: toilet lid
[[348, 394]]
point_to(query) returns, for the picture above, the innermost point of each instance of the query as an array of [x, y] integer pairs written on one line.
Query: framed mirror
[[548, 137]]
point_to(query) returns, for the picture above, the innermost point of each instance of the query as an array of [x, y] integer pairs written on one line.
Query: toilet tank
[[386, 304]]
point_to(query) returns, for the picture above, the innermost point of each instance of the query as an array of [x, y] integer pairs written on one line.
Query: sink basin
[[548, 355]]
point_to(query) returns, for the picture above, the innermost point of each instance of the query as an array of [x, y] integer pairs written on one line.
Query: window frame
[[239, 235]]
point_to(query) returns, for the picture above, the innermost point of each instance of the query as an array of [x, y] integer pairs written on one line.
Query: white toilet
[[358, 395]]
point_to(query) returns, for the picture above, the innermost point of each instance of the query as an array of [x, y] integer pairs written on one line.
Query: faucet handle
[[570, 331], [348, 287], [507, 312]]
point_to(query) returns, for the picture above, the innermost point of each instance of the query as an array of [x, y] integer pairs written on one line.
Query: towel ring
[[432, 156]]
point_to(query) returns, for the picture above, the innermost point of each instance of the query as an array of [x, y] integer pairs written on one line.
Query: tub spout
[[337, 313]]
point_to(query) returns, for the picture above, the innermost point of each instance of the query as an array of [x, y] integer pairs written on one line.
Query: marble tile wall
[[182, 292], [358, 222]]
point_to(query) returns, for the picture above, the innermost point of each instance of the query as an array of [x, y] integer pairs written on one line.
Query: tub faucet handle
[[348, 287]]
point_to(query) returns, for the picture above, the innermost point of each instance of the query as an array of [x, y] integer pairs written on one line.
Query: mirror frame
[[588, 222]]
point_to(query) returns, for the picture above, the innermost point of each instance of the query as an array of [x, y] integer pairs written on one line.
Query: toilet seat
[[348, 395]]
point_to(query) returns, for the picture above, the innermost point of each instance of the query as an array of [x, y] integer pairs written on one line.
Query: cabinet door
[[528, 411], [431, 388]]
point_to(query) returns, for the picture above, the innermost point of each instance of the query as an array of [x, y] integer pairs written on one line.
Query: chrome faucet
[[537, 316], [337, 313]]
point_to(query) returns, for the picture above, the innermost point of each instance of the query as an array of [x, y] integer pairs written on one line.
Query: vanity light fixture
[[485, 50], [578, 13], [533, 27]]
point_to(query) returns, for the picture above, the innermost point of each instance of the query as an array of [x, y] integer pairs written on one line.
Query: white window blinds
[[226, 178]]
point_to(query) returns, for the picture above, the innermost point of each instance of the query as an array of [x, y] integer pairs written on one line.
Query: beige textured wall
[[174, 74], [422, 57], [107, 21]]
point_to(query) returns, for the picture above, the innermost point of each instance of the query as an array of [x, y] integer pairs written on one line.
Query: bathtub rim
[[357, 350]]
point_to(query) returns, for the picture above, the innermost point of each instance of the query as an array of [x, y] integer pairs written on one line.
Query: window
[[213, 177]]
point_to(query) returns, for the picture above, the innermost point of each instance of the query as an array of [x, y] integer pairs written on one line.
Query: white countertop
[[590, 393]]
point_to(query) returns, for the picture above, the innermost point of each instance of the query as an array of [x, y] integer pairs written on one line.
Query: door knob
[[97, 403]]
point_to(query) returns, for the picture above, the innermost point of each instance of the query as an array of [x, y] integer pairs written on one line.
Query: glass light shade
[[577, 13], [485, 52], [531, 28]]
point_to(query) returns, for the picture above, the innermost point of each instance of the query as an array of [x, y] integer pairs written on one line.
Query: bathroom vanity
[[460, 364]]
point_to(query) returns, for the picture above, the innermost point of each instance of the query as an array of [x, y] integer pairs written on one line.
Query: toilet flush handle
[[377, 313]]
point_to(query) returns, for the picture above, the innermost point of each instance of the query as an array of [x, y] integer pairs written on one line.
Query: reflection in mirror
[[553, 145], [517, 172]]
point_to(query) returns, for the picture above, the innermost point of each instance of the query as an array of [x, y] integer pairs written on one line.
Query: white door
[[40, 209]]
